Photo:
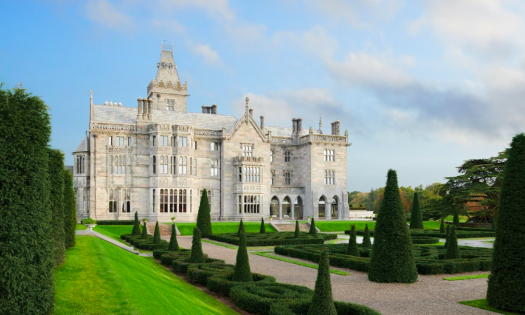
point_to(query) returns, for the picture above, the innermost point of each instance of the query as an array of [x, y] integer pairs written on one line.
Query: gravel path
[[430, 295]]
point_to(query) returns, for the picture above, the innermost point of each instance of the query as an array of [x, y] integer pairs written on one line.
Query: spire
[[320, 125], [166, 68]]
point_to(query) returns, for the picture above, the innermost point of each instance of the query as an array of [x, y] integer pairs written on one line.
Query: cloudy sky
[[420, 85]]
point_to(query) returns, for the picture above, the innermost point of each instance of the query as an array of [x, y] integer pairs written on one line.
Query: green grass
[[336, 225], [114, 231], [226, 227], [81, 227], [466, 277], [100, 278], [296, 262], [482, 304]]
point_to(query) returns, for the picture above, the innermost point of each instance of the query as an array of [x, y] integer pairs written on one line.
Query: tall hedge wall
[[70, 211], [26, 254], [56, 199]]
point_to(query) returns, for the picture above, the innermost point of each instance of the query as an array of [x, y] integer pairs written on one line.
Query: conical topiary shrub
[[493, 225], [263, 228], [174, 244], [442, 226], [447, 235], [452, 246], [241, 229], [323, 300], [136, 225], [352, 243], [455, 222], [156, 235], [144, 231], [297, 232], [506, 285], [313, 230], [392, 259], [366, 238], [204, 215], [416, 222], [242, 270], [196, 254]]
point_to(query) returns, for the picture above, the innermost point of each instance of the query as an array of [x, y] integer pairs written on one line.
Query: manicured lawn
[[336, 225], [81, 227], [466, 277], [114, 231], [482, 304], [100, 278], [226, 227]]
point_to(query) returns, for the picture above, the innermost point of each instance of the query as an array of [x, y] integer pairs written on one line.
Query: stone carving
[[288, 190], [281, 140], [121, 127], [209, 133]]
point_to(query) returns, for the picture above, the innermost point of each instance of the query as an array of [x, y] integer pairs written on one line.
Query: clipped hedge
[[429, 259], [460, 233], [222, 283], [199, 273], [115, 222], [425, 240], [147, 244], [274, 239], [181, 265]]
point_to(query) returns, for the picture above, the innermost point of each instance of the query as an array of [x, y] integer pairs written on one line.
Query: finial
[[247, 100], [320, 125]]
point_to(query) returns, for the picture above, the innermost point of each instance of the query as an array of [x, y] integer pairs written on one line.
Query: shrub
[[222, 283], [392, 259], [425, 240], [204, 216], [442, 226], [241, 229], [455, 222], [144, 231], [366, 238], [116, 222], [156, 236], [297, 231], [323, 300], [452, 246], [416, 222], [182, 265], [507, 280], [136, 225], [447, 235], [352, 243], [272, 239], [199, 273], [197, 256], [70, 211], [242, 271], [26, 252], [313, 230], [174, 245], [263, 228], [56, 198]]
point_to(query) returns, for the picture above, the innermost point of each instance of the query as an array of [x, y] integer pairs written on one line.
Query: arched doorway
[[322, 207], [335, 207], [274, 207], [287, 208], [298, 208]]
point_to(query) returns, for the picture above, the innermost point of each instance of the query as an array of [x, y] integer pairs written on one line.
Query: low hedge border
[[429, 259], [144, 243], [221, 283], [199, 273], [182, 265], [274, 239], [115, 222], [425, 240], [461, 233]]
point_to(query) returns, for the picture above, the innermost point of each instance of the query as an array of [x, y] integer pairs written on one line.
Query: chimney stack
[[335, 128], [262, 122]]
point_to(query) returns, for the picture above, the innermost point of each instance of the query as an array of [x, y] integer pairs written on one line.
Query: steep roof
[[83, 147], [283, 131]]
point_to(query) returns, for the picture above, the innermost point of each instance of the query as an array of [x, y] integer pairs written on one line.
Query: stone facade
[[157, 158]]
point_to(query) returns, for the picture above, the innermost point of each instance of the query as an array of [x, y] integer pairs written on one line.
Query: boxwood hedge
[[115, 222], [199, 273], [460, 233], [273, 239], [222, 283]]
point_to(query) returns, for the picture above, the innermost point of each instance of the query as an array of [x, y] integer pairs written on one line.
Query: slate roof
[[283, 131], [83, 147]]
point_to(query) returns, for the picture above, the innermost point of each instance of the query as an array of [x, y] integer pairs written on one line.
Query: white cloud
[[316, 40], [105, 14], [208, 55], [168, 25], [214, 8]]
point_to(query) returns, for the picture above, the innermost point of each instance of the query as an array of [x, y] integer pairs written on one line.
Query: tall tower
[[166, 90]]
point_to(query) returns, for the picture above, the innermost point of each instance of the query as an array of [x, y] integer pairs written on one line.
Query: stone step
[[165, 229], [290, 227]]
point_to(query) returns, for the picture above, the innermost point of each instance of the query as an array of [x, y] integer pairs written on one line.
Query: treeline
[[37, 206]]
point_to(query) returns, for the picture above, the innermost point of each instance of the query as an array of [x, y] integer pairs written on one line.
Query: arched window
[[335, 207], [286, 207], [322, 207], [274, 206]]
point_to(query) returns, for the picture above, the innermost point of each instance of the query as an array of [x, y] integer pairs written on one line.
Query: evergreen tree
[[242, 270], [455, 222], [196, 254], [204, 215], [241, 229], [156, 235], [56, 198], [392, 259], [70, 211], [174, 245], [352, 243], [313, 230], [136, 225], [263, 228], [442, 226], [452, 246], [493, 225], [323, 300], [507, 279], [366, 238], [416, 222], [447, 235], [26, 243], [144, 232], [297, 232]]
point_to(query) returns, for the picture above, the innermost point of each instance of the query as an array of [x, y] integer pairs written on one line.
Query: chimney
[[262, 122], [203, 109], [299, 125], [214, 109], [139, 101], [335, 128], [294, 125]]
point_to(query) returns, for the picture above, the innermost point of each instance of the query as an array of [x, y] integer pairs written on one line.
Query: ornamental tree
[[204, 215], [56, 198], [323, 300], [416, 222], [366, 238], [242, 270], [174, 245], [136, 225], [455, 222], [297, 232], [313, 230], [156, 235], [263, 228], [144, 231], [452, 246], [392, 259], [352, 243], [442, 226], [241, 228], [196, 254]]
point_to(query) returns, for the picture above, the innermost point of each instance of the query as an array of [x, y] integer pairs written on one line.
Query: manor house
[[157, 158]]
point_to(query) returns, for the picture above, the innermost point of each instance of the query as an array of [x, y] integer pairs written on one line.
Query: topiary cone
[[263, 228], [506, 284], [297, 234], [447, 236], [241, 229], [313, 230], [366, 238], [144, 232], [416, 222], [174, 245], [323, 300], [242, 270], [455, 222], [196, 254], [156, 235], [452, 246], [392, 259], [352, 243], [136, 225], [204, 215], [442, 226]]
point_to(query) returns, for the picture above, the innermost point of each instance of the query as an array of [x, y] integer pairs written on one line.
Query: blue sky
[[420, 85]]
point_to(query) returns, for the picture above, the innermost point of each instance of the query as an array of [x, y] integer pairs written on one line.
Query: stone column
[[292, 212], [280, 210], [150, 102], [139, 114], [144, 108]]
